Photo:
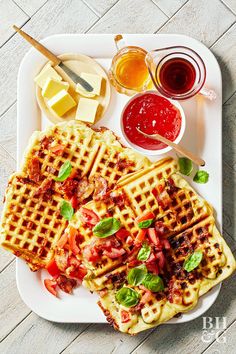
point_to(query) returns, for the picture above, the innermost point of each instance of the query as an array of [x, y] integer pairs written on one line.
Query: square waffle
[[30, 227], [90, 152], [217, 264]]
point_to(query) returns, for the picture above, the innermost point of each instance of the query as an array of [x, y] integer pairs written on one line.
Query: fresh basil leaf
[[66, 210], [137, 275], [153, 283], [185, 166], [64, 172], [106, 227], [144, 252], [145, 224], [201, 177], [127, 297], [193, 261]]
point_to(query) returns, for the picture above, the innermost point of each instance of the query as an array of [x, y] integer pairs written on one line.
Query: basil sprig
[[193, 261], [153, 283], [201, 177], [144, 252], [66, 210], [185, 166], [106, 227], [127, 297], [145, 224], [64, 172], [137, 275]]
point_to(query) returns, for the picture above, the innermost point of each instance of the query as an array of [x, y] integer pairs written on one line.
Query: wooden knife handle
[[38, 46]]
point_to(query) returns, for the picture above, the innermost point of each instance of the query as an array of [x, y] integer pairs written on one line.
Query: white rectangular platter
[[202, 136]]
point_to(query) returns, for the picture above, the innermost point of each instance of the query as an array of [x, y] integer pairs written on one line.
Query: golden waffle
[[30, 227], [186, 207], [90, 152], [217, 264]]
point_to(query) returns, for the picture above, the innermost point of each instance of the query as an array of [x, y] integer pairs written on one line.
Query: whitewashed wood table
[[211, 21]]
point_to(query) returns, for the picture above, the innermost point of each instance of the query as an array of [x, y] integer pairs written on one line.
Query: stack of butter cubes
[[55, 92]]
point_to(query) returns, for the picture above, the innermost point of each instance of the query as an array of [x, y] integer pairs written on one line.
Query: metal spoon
[[177, 147]]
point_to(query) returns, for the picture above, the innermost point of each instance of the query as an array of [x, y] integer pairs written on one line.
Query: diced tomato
[[61, 259], [133, 263], [165, 244], [74, 202], [140, 237], [122, 234], [161, 259], [79, 273], [151, 258], [153, 267], [57, 149], [152, 234], [74, 261], [125, 316], [114, 253], [72, 241], [52, 268], [146, 216], [88, 216], [62, 241], [91, 254], [129, 241], [51, 285]]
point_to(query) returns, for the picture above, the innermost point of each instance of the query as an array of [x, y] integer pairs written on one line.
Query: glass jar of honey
[[129, 73]]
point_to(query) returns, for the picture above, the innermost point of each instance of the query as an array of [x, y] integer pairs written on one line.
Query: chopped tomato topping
[[125, 316], [52, 268], [146, 216], [74, 202], [62, 241], [152, 267], [58, 149], [91, 254], [72, 241], [51, 285], [79, 273], [165, 244], [152, 234], [88, 217], [140, 237], [114, 253], [151, 258], [129, 241], [61, 259], [162, 197], [161, 229], [122, 234]]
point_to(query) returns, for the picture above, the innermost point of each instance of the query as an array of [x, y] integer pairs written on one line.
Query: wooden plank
[[36, 335], [10, 14], [53, 18], [229, 132], [203, 20], [225, 343], [107, 341], [13, 310], [135, 16], [229, 200], [8, 131], [30, 6], [7, 167], [225, 51], [186, 338], [170, 7], [100, 7]]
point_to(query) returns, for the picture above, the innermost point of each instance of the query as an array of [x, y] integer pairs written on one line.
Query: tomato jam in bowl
[[152, 114]]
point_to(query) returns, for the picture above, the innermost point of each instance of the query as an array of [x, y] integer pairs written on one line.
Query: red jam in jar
[[152, 114]]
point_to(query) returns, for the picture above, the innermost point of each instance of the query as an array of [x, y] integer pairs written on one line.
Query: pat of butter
[[61, 103], [52, 87], [87, 109], [47, 72], [94, 80]]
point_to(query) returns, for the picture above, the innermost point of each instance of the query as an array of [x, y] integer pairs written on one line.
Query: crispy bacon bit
[[84, 189], [46, 142], [118, 199], [161, 228], [163, 199], [69, 187], [100, 188], [25, 180], [117, 279], [172, 189], [125, 316], [147, 296], [103, 292], [51, 170], [58, 149], [122, 164], [174, 295], [35, 170], [137, 308], [65, 284], [45, 190], [114, 253]]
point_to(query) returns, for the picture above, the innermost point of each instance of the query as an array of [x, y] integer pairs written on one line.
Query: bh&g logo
[[212, 329]]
